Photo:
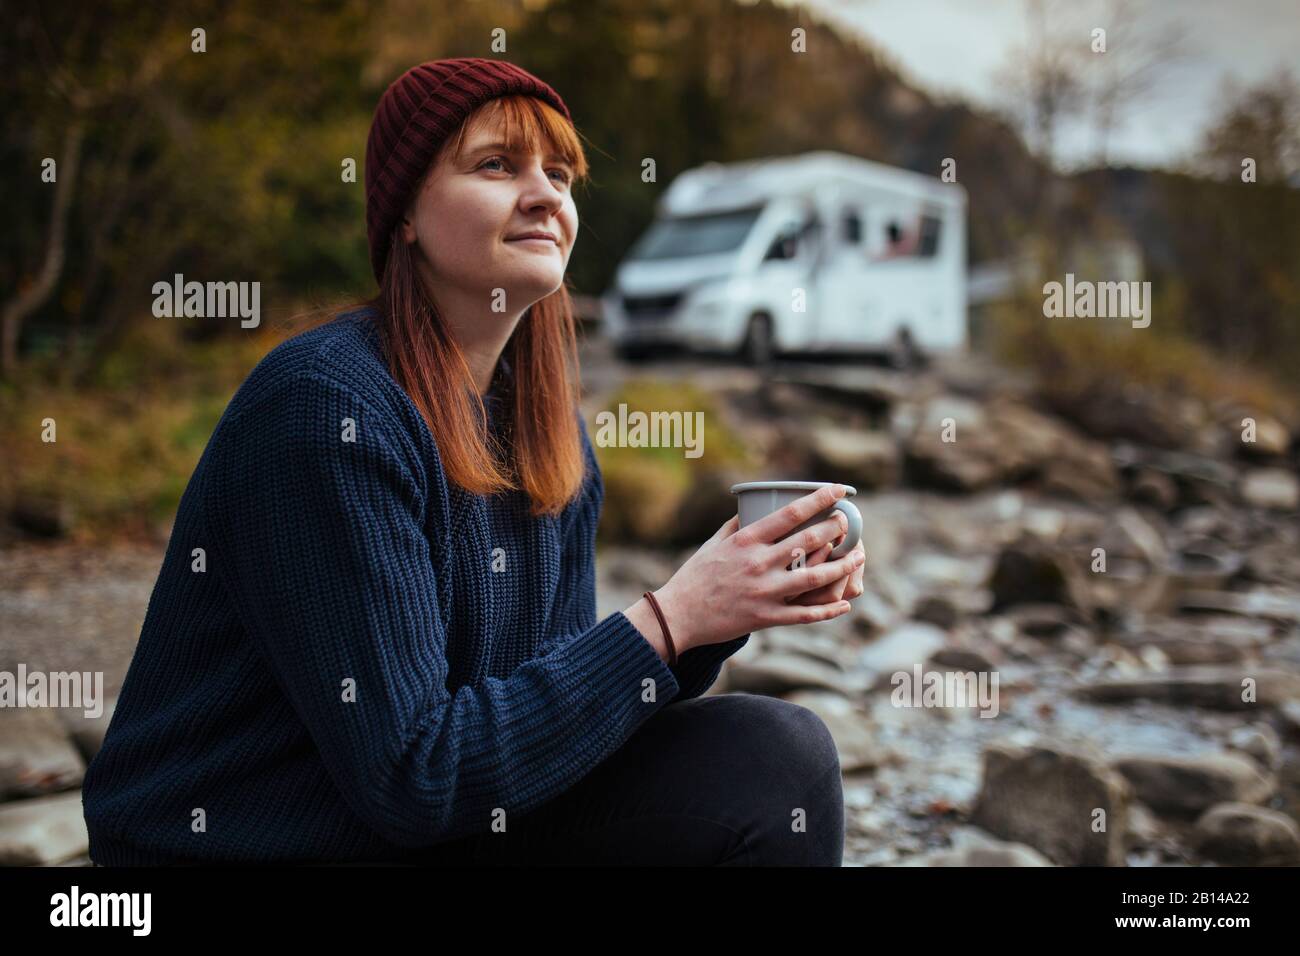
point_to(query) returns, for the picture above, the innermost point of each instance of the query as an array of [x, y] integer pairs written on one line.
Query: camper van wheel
[[758, 346], [904, 353]]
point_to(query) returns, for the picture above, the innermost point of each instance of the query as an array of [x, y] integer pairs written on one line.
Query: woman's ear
[[408, 229]]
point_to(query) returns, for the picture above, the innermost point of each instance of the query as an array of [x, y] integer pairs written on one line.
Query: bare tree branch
[[35, 295]]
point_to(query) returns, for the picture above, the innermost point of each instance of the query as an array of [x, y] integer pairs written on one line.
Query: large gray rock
[[43, 831], [1201, 480], [945, 573], [1274, 562], [776, 674], [1241, 834], [895, 588], [900, 649], [818, 641], [1203, 564], [36, 756], [1153, 488], [1134, 552], [857, 386], [972, 847], [1200, 639], [1138, 414], [1127, 587], [1273, 488], [1213, 687], [1189, 643], [43, 515], [1271, 437], [872, 613], [1289, 713], [1048, 797], [1032, 572], [964, 657], [968, 462], [1192, 652], [1188, 786], [1260, 742], [938, 609], [1006, 441], [1206, 521], [862, 458], [1127, 534], [1274, 604], [1047, 622], [1145, 829]]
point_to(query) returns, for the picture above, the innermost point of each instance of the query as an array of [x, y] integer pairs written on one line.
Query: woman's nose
[[538, 190]]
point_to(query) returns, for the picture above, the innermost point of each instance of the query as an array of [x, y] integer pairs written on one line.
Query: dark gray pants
[[728, 780]]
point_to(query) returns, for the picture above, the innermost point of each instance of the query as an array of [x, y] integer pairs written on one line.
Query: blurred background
[[1103, 515]]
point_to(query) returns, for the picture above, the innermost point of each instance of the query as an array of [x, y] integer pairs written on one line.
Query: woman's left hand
[[847, 587]]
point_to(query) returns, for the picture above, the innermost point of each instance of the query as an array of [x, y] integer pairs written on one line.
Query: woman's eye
[[501, 160]]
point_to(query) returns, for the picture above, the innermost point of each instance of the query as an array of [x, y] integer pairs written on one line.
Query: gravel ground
[[66, 607]]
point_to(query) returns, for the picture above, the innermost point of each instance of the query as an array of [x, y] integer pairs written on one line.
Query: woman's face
[[472, 210]]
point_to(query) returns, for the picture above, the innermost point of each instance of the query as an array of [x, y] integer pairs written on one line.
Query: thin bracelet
[[663, 624]]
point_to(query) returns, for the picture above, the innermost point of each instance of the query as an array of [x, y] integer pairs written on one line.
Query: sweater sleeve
[[320, 544], [697, 669]]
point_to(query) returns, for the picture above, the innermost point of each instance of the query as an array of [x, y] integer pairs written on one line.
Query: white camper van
[[821, 252]]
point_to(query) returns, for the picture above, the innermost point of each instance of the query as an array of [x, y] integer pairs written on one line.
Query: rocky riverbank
[[1123, 571], [1127, 567]]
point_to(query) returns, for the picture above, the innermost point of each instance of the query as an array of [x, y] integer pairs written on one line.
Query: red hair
[[545, 456]]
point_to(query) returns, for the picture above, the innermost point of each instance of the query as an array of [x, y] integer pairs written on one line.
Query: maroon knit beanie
[[417, 113]]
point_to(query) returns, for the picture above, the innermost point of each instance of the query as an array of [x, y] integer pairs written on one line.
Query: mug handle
[[854, 534]]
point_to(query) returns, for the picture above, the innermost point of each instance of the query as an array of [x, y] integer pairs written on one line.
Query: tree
[[1237, 241], [1261, 123], [223, 160], [71, 87], [1042, 79], [1137, 52]]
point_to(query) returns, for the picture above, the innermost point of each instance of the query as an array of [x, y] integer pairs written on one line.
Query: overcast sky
[[955, 47]]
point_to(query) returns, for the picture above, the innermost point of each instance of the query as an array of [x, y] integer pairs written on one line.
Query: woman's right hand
[[740, 580]]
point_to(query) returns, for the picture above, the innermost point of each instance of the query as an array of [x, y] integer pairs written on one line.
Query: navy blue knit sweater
[[363, 658]]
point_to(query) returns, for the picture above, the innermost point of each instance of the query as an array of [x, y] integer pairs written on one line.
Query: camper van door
[[784, 284], [842, 296]]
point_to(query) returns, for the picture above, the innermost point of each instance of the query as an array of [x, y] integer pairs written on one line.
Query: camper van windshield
[[684, 236]]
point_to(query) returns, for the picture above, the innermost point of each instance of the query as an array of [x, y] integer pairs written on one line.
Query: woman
[[373, 637]]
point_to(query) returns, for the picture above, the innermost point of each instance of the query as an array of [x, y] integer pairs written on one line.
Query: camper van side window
[[784, 246], [852, 224], [919, 238], [899, 243], [928, 245]]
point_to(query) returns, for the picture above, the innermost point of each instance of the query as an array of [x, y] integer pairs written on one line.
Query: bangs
[[526, 124]]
